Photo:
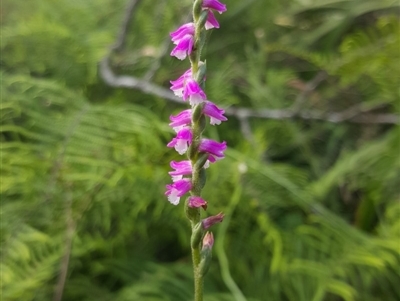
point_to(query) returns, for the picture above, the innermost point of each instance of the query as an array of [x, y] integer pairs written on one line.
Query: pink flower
[[185, 29], [215, 113], [197, 202], [182, 168], [189, 89], [214, 148], [183, 119], [211, 21], [178, 85], [193, 92], [182, 140], [184, 47], [178, 189], [214, 4], [212, 220]]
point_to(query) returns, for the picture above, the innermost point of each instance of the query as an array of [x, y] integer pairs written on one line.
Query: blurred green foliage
[[312, 207]]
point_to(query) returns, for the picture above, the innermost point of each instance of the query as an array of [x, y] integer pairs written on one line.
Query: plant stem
[[198, 279], [197, 133]]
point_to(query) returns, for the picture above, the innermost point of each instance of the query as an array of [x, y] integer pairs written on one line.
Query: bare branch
[[131, 82]]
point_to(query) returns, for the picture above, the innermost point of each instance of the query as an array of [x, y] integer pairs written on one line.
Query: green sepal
[[197, 9], [201, 41], [193, 214], [197, 113], [202, 20], [197, 234], [205, 262], [201, 161], [202, 124], [196, 189], [193, 57], [198, 180], [201, 73], [202, 178], [199, 121], [192, 151]]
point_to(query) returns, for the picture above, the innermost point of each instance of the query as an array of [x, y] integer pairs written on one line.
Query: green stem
[[194, 156], [196, 190], [198, 279]]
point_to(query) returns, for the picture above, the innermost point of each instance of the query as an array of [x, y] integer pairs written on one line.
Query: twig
[[131, 82]]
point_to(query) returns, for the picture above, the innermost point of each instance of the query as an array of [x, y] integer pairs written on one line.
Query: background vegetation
[[312, 205]]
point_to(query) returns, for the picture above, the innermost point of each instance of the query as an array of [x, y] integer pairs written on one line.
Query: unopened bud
[[209, 221], [192, 213], [208, 241], [197, 202], [206, 253]]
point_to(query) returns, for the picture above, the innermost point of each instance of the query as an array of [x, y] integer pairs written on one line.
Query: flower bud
[[208, 241], [206, 253], [197, 202], [209, 221], [192, 213]]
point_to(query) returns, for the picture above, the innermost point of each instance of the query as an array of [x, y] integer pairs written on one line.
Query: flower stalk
[[189, 175]]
